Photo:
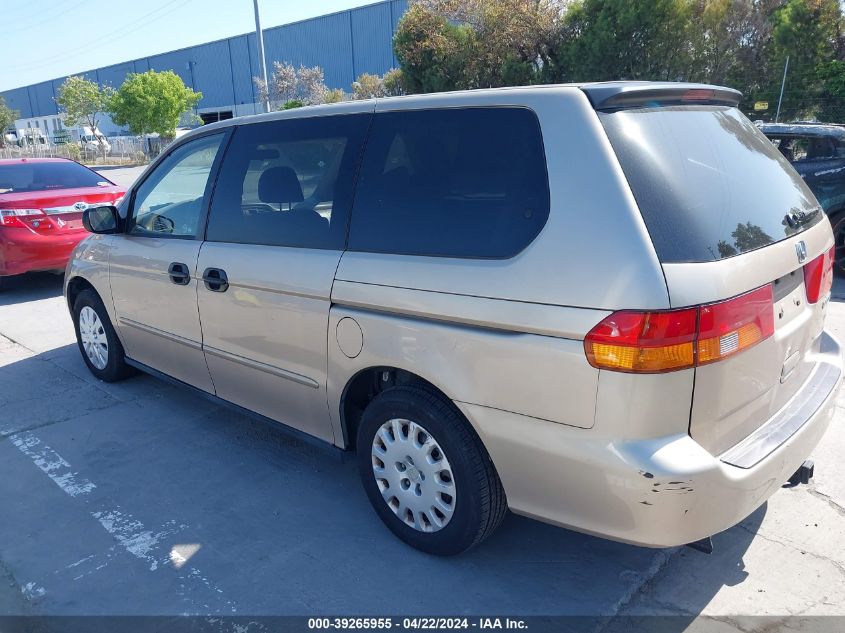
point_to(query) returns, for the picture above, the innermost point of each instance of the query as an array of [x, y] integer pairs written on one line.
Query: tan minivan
[[598, 305]]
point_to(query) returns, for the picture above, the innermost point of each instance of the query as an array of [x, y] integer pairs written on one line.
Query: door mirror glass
[[102, 220]]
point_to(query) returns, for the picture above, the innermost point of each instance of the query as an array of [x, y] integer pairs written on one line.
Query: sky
[[47, 39]]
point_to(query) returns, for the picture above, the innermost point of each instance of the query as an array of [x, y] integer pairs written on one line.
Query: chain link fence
[[819, 111], [120, 150]]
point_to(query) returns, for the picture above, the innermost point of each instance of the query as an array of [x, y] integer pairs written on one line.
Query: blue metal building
[[343, 44]]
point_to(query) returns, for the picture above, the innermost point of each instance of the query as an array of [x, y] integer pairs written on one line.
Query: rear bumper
[[23, 251], [658, 492]]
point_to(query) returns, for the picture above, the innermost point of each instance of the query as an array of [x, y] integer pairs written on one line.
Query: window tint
[[797, 149], [818, 148], [709, 185], [170, 200], [288, 183], [456, 183], [24, 177]]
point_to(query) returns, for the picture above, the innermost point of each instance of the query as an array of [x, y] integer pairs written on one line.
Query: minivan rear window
[[709, 185], [458, 182]]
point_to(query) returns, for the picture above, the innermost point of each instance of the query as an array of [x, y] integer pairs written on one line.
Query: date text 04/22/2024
[[417, 623]]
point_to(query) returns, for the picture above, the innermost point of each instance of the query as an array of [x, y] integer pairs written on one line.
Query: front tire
[[426, 472], [101, 349]]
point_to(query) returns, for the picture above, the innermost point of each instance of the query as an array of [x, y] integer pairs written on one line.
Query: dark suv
[[817, 151]]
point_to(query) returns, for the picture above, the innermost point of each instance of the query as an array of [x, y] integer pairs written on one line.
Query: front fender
[[90, 262]]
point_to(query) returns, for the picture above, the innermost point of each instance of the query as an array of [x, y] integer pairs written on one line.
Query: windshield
[[708, 183], [22, 177]]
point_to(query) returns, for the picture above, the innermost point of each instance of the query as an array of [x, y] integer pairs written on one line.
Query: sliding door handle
[[215, 279], [179, 274]]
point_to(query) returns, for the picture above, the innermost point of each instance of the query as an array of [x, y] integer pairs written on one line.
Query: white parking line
[[129, 532], [31, 591], [50, 462], [135, 538]]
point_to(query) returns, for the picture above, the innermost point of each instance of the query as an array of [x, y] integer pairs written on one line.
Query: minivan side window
[[467, 182], [288, 182], [170, 201]]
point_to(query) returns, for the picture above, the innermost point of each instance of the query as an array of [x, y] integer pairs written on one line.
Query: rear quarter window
[[708, 183], [467, 182]]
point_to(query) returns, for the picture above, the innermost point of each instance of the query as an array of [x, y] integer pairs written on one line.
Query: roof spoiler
[[622, 95]]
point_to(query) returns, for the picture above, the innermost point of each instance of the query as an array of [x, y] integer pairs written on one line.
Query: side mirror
[[102, 220]]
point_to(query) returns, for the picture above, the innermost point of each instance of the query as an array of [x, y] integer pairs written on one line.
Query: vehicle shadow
[[253, 507], [30, 287]]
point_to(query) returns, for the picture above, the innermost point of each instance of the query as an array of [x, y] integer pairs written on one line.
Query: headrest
[[279, 185]]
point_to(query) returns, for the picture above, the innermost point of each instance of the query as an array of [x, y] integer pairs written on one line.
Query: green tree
[[83, 103], [334, 95], [303, 84], [809, 32], [152, 102], [453, 44], [719, 36], [617, 39], [432, 51], [831, 82], [367, 86], [463, 44], [393, 82], [7, 119]]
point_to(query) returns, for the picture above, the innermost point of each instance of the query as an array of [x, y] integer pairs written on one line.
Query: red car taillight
[[818, 276], [731, 326], [654, 342], [14, 217], [643, 341]]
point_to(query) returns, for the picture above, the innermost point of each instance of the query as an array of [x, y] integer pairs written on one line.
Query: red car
[[41, 205]]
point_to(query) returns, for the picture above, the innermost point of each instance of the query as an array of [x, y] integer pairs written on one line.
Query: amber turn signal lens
[[651, 342], [646, 342], [645, 359]]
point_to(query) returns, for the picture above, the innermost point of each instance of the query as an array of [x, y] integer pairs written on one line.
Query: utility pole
[[782, 84], [259, 37]]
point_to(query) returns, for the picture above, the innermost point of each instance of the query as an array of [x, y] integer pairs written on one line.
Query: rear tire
[[426, 472], [837, 223], [98, 343]]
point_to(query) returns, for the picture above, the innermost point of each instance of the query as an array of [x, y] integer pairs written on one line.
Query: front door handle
[[179, 274], [215, 279]]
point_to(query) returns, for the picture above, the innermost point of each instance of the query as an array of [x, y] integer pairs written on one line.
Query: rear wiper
[[799, 218]]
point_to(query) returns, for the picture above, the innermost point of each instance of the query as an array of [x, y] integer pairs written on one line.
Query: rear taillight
[[731, 326], [643, 341], [654, 342], [818, 276], [14, 217]]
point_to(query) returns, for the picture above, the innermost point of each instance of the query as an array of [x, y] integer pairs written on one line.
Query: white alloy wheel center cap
[[413, 474]]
